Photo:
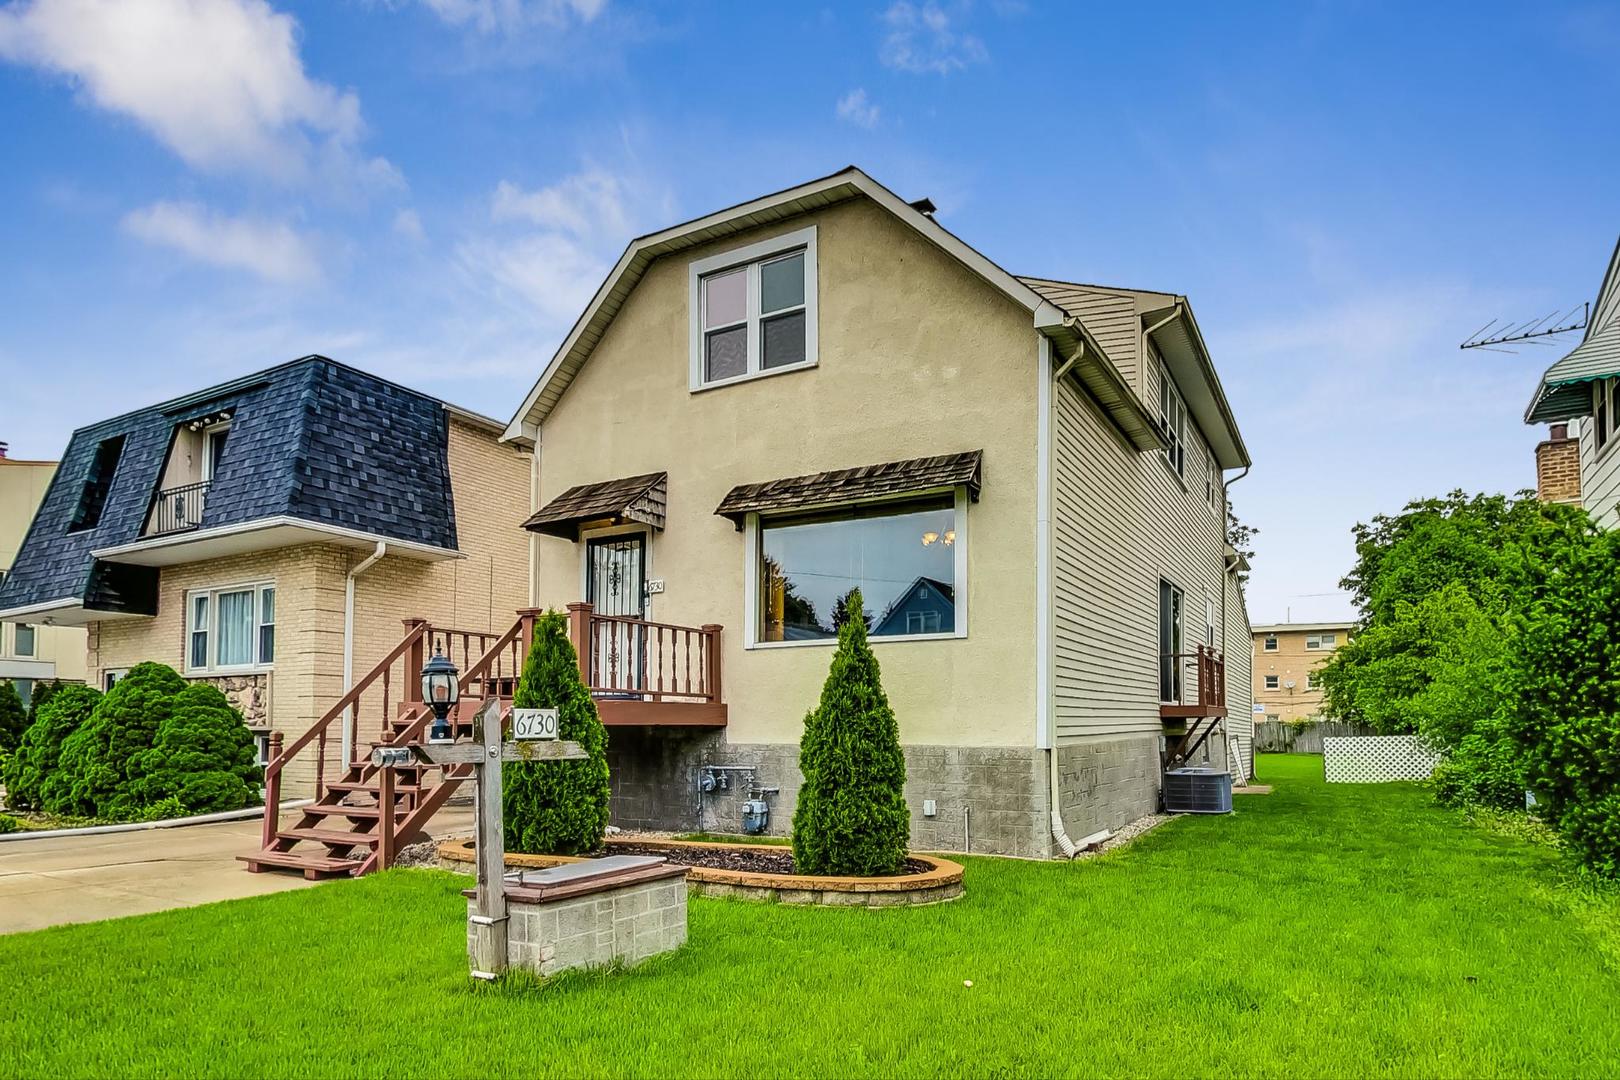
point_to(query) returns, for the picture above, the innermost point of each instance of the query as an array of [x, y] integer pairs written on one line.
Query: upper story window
[[1604, 420], [22, 641], [1270, 644], [1212, 480], [1321, 641], [1271, 682], [908, 559], [1173, 422], [231, 629], [97, 483], [753, 310]]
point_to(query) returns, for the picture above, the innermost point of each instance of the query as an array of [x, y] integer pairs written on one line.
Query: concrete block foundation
[[628, 924]]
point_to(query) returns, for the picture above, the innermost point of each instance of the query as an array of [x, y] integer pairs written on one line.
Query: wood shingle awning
[[633, 499], [894, 479]]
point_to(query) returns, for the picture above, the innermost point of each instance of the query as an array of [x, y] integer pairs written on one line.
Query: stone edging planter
[[942, 881]]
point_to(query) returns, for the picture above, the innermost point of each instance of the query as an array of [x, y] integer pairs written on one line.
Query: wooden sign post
[[485, 753]]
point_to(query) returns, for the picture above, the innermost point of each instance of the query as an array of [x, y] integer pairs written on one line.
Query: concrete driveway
[[71, 879]]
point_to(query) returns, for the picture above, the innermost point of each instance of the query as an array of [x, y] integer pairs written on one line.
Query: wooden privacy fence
[[1276, 737]]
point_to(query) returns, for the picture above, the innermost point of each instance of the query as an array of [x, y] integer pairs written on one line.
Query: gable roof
[[313, 443], [633, 498], [1563, 393]]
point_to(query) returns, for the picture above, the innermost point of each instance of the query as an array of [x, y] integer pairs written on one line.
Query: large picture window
[[231, 629], [907, 559], [754, 310]]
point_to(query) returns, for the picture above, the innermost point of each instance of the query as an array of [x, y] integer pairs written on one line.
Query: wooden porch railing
[[1199, 683], [385, 707], [620, 656]]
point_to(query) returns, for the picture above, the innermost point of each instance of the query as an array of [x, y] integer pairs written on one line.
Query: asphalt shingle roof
[[892, 478]]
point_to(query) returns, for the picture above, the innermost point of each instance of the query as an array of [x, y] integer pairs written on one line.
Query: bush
[[32, 771], [557, 807], [1566, 697], [201, 761], [851, 817], [43, 692], [9, 824], [94, 765], [1481, 771], [13, 717]]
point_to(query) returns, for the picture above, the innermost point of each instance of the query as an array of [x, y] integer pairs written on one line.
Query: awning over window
[[869, 482], [1565, 391], [633, 499]]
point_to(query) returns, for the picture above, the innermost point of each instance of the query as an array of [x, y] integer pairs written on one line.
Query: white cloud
[[220, 82], [922, 40], [585, 204], [408, 223], [272, 250], [854, 108], [512, 16]]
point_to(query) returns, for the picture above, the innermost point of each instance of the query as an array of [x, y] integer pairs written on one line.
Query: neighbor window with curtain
[[906, 559], [754, 310], [231, 629]]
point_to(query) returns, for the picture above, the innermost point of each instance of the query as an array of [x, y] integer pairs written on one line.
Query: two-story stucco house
[[823, 389], [1583, 390], [270, 534]]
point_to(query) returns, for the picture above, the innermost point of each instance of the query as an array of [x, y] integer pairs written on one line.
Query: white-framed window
[[213, 448], [1308, 684], [110, 677], [1270, 643], [1271, 682], [232, 628], [753, 310], [908, 558], [1172, 422], [1604, 420], [1321, 641], [23, 640], [1209, 621], [261, 748], [1212, 480]]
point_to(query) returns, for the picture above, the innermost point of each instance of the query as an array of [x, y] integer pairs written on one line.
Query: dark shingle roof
[[894, 478], [634, 498], [312, 439]]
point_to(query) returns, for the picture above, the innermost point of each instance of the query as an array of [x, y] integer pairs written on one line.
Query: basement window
[[97, 483], [753, 311]]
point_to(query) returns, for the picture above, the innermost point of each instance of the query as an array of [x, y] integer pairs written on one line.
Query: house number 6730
[[534, 723]]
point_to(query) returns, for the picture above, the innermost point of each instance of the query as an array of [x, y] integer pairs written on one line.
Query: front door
[[616, 584]]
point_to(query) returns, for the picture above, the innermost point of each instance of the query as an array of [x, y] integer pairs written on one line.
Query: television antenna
[[1492, 336]]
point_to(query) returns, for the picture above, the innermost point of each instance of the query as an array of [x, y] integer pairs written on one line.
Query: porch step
[[339, 810], [314, 867], [334, 837], [369, 787]]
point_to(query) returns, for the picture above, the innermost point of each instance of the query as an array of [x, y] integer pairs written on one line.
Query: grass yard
[[1343, 931]]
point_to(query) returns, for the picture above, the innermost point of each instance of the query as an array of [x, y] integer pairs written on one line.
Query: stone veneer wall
[[248, 695]]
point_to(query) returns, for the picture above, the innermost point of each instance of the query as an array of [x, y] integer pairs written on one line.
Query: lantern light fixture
[[441, 689]]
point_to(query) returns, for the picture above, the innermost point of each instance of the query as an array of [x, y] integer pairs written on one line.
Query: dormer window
[[753, 311], [97, 483]]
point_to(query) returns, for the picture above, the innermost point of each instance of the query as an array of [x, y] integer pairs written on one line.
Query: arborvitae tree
[[852, 817], [43, 692], [557, 807], [13, 717], [32, 768], [202, 758], [95, 759]]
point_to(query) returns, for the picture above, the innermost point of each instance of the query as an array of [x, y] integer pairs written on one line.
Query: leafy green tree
[[43, 692], [851, 816], [32, 769], [845, 609], [13, 717], [202, 759], [557, 807], [95, 759], [1564, 712]]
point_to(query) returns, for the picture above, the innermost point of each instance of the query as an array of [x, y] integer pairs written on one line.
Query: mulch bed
[[747, 860]]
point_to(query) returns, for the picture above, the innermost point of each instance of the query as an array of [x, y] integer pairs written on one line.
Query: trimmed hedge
[[13, 717], [201, 761], [852, 817], [32, 769], [95, 759], [557, 807]]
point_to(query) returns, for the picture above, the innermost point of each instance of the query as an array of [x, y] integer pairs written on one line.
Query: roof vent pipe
[[925, 206]]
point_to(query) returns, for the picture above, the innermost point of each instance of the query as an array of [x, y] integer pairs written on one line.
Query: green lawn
[[1344, 931]]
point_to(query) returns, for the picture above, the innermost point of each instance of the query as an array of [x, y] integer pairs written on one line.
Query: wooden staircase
[[361, 818]]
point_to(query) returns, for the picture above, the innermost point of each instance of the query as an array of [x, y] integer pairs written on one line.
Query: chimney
[[1558, 467], [923, 206]]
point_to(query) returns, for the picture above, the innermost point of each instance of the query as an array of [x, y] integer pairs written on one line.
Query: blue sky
[[431, 189]]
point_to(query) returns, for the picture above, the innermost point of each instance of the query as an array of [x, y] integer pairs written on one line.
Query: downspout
[[348, 644], [1043, 579], [1226, 487]]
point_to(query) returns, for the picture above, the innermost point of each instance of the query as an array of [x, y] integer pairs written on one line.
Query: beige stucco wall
[[59, 651], [1292, 661], [483, 590], [917, 357]]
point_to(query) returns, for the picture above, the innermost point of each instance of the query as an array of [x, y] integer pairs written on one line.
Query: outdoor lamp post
[[440, 689]]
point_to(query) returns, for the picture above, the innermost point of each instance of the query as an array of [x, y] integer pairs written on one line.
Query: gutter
[[1226, 489], [348, 643]]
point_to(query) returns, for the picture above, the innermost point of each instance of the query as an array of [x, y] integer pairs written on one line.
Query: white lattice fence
[[1376, 759]]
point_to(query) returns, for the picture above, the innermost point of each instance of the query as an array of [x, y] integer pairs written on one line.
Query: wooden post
[[711, 658], [489, 920], [415, 660], [272, 791], [579, 632], [385, 818]]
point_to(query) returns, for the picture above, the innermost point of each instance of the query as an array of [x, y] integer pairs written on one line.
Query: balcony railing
[[178, 509], [1193, 684]]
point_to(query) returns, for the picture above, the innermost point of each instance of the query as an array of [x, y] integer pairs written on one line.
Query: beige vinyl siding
[[1111, 318], [1239, 646], [1123, 520], [1600, 477]]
